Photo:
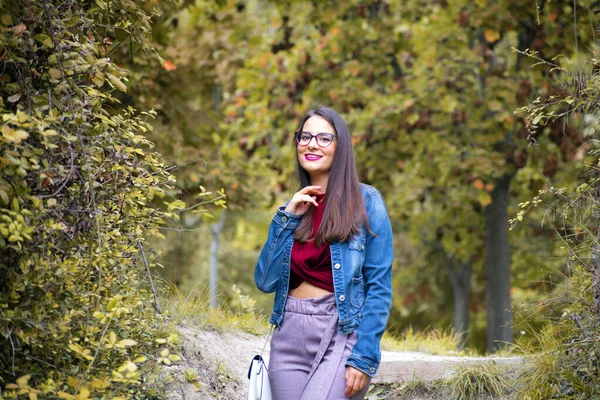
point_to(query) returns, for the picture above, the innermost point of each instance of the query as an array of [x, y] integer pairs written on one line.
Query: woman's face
[[314, 159]]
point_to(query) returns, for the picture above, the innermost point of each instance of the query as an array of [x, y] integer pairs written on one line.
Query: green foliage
[[568, 365], [204, 43], [566, 362], [81, 191], [428, 89]]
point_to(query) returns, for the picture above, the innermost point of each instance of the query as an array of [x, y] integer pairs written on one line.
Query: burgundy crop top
[[309, 262]]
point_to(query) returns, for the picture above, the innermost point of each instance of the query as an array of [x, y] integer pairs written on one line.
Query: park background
[[143, 139]]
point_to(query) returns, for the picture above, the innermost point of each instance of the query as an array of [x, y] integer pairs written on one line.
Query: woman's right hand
[[303, 200]]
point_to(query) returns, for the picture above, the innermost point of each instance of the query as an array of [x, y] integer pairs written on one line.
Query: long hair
[[344, 208]]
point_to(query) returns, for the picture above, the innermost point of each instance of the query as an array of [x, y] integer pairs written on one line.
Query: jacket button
[[342, 298], [284, 219], [345, 328], [372, 370], [362, 247], [337, 266]]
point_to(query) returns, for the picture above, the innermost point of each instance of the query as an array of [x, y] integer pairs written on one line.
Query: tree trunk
[[214, 259], [497, 268], [461, 288]]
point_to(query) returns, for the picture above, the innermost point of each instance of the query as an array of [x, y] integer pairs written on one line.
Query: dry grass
[[195, 309], [442, 342]]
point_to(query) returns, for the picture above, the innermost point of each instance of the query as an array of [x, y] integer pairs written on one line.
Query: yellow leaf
[[198, 386], [73, 382], [33, 396], [448, 104], [99, 383], [54, 73], [49, 132], [117, 374], [75, 347], [64, 395], [112, 337], [111, 304], [164, 353], [173, 338], [15, 136], [4, 196], [116, 82], [484, 198], [98, 315], [131, 367], [127, 342], [84, 393], [177, 204], [22, 381], [413, 118], [491, 35], [140, 359]]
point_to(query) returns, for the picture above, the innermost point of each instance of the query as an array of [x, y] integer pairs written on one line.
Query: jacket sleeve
[[377, 272], [268, 268]]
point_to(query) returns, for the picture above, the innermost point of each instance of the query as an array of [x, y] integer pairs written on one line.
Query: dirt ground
[[217, 367], [220, 360]]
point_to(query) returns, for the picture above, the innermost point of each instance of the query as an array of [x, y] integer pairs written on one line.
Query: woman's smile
[[312, 157]]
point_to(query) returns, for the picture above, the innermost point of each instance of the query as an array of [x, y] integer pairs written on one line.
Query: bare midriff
[[307, 291]]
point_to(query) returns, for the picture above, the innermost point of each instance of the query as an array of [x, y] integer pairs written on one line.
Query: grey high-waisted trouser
[[308, 355]]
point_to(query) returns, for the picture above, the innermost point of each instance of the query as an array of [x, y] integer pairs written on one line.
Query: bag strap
[[267, 340], [258, 357]]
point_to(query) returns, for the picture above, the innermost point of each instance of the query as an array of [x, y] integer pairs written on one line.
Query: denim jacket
[[362, 277]]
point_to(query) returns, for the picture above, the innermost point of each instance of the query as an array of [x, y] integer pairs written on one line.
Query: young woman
[[328, 258]]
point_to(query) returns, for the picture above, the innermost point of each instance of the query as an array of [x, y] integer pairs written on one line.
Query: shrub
[[79, 188]]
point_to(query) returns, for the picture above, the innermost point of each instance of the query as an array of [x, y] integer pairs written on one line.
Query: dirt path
[[221, 362]]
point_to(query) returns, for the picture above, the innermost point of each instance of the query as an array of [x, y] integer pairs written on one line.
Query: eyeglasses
[[324, 139]]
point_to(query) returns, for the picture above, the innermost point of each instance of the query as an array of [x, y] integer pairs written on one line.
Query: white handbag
[[258, 374]]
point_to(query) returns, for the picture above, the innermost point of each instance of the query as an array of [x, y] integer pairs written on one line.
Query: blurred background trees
[[428, 89]]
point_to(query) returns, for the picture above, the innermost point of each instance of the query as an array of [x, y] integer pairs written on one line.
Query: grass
[[195, 309], [555, 368], [442, 342], [484, 381], [414, 388], [542, 374], [471, 382]]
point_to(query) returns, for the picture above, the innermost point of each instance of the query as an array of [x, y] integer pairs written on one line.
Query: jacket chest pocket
[[356, 248], [357, 242], [357, 291]]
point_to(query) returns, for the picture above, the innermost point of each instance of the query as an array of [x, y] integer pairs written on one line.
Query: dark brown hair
[[344, 208]]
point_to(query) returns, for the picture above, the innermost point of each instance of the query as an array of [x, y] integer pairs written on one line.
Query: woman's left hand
[[355, 381]]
